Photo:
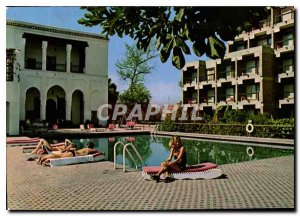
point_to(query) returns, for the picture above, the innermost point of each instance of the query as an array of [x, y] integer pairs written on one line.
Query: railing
[[207, 99], [226, 98], [189, 80], [56, 67], [75, 68], [264, 23], [282, 43], [33, 65], [286, 68], [248, 71], [125, 150], [280, 18], [225, 74], [191, 100], [249, 96], [288, 94]]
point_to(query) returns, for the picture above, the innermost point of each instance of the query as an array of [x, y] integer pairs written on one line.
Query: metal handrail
[[115, 155], [124, 155]]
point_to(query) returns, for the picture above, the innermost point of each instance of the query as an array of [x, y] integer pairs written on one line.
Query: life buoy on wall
[[250, 151], [249, 128]]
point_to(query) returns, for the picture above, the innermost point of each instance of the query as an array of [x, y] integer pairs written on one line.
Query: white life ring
[[250, 151], [249, 128]]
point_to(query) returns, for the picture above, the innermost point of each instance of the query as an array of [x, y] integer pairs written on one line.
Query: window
[[211, 96], [288, 91], [228, 71], [252, 91], [210, 74], [288, 39], [265, 42], [251, 66], [287, 65]]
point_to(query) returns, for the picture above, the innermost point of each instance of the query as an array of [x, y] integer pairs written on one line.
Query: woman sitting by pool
[[72, 152], [53, 149], [179, 164]]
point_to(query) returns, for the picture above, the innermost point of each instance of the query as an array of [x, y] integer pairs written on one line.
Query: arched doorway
[[51, 115], [56, 105], [77, 107], [32, 105]]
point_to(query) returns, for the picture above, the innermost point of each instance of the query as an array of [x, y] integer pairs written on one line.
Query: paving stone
[[262, 184]]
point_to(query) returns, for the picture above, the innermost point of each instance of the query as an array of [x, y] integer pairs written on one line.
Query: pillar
[[68, 60], [44, 55], [43, 98], [68, 106], [22, 54], [85, 60]]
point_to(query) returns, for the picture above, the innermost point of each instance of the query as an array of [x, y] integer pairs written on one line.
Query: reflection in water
[[155, 149]]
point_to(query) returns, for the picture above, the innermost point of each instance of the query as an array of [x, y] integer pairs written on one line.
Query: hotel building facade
[[256, 74], [56, 75]]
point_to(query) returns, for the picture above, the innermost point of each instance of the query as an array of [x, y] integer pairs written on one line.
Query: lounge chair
[[200, 171], [111, 127], [22, 141], [75, 160]]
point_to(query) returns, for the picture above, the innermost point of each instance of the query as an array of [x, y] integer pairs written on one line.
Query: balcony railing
[[33, 65], [284, 43], [208, 99], [226, 98], [286, 68], [56, 67], [265, 23], [249, 96], [225, 74], [248, 71], [284, 17], [189, 80], [76, 69], [288, 95], [191, 100]]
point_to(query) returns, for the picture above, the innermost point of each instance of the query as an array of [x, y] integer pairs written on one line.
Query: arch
[[32, 104], [77, 107], [56, 104]]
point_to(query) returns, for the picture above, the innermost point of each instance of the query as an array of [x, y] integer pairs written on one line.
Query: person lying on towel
[[53, 149], [179, 164], [72, 152]]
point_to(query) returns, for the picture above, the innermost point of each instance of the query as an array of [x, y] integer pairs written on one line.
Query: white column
[[68, 60], [68, 106], [22, 54], [85, 60], [43, 98], [44, 55]]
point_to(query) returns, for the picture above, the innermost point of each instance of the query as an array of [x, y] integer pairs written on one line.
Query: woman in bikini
[[71, 152], [52, 149], [179, 153]]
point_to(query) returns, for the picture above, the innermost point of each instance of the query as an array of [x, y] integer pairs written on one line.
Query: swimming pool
[[155, 150]]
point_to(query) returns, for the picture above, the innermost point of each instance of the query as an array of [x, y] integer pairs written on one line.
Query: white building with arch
[[57, 74]]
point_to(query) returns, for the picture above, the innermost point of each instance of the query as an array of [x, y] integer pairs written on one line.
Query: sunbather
[[69, 153], [53, 149], [179, 153]]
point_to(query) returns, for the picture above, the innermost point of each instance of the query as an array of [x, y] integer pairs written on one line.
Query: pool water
[[155, 150]]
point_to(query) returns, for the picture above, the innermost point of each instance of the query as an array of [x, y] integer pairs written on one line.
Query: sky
[[162, 82]]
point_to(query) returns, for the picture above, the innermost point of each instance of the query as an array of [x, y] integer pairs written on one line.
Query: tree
[[113, 96], [135, 94], [172, 27], [135, 65]]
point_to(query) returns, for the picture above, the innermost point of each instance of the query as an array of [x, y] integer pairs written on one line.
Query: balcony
[[56, 67], [285, 17], [76, 69], [249, 96], [33, 64], [208, 79], [264, 23], [207, 100], [286, 71], [288, 98], [191, 101], [189, 82], [225, 76]]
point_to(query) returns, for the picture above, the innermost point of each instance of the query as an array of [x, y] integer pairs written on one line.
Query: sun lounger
[[199, 171], [21, 141], [75, 160]]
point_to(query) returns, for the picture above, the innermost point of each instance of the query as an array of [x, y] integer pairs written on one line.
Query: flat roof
[[53, 29]]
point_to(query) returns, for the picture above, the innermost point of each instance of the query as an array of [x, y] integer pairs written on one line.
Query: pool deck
[[263, 184], [145, 129]]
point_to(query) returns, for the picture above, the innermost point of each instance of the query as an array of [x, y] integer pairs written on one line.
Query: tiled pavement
[[267, 183]]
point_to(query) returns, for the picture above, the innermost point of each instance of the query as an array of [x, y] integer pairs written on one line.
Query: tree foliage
[[135, 65], [135, 94], [172, 27]]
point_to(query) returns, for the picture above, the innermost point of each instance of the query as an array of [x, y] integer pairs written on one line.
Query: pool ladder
[[153, 132], [124, 155]]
